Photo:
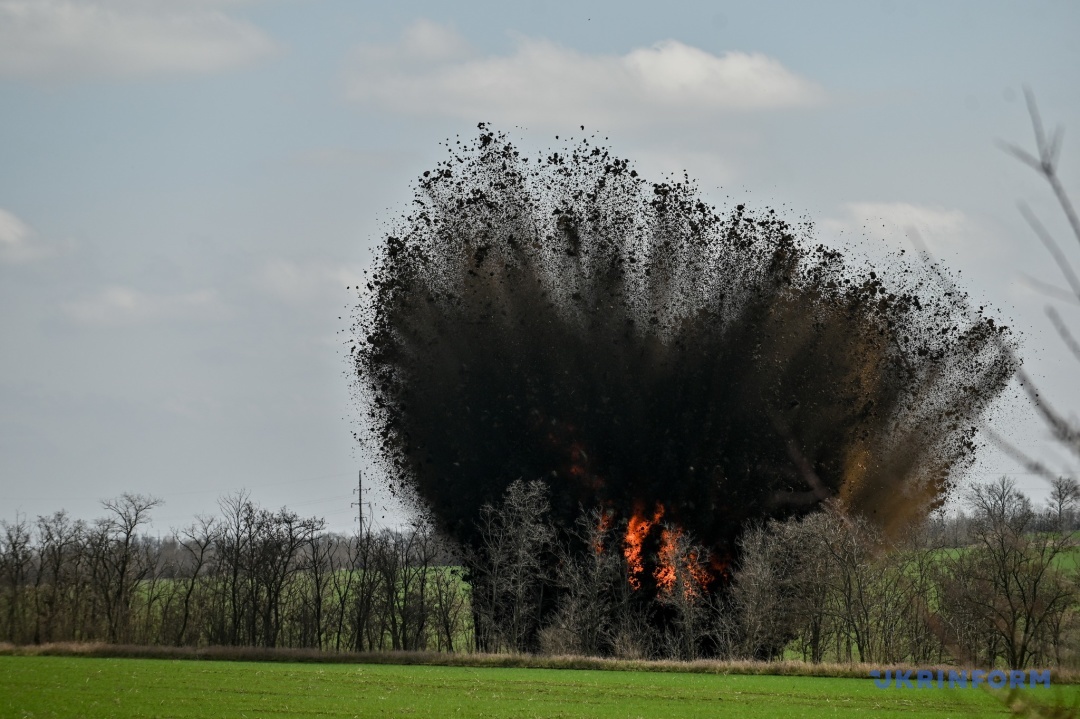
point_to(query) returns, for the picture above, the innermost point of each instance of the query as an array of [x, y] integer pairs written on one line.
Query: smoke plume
[[559, 317]]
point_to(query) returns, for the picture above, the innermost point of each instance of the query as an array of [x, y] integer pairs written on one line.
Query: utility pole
[[359, 503]]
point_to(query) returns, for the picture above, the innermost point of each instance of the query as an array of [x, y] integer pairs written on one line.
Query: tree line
[[994, 585], [248, 577]]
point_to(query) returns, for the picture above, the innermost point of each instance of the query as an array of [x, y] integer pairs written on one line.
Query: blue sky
[[186, 189]]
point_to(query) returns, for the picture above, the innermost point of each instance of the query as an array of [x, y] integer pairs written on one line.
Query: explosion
[[559, 317]]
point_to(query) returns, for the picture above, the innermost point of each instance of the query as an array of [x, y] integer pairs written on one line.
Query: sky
[[187, 190]]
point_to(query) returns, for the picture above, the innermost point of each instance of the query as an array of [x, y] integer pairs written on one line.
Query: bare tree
[[589, 571], [56, 597], [853, 551], [279, 540], [418, 600], [508, 572], [362, 587], [1006, 587], [908, 626], [16, 564], [1064, 495], [781, 589], [121, 565], [682, 579], [197, 541], [404, 562], [251, 577], [450, 607], [152, 595], [319, 567], [232, 545]]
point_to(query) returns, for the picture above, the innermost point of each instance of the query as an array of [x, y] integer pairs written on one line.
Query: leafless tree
[[450, 607], [362, 586], [57, 597], [589, 572], [120, 565], [197, 541], [698, 617], [318, 566], [1064, 496], [405, 562], [508, 572], [250, 577], [16, 564], [1005, 588], [908, 625], [781, 589]]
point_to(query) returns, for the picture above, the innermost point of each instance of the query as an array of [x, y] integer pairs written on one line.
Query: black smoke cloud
[[559, 317]]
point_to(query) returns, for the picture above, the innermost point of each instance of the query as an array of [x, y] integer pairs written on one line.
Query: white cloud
[[119, 306], [433, 70], [78, 39], [300, 283], [17, 241], [941, 230]]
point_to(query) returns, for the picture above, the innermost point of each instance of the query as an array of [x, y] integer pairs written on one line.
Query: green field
[[73, 687]]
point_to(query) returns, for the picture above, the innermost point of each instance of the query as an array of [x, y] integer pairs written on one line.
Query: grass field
[[70, 687]]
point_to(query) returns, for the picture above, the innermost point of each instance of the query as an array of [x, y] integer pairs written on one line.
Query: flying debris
[[685, 368]]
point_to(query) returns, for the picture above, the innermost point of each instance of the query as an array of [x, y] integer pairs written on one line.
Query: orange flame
[[607, 519], [698, 571], [637, 529], [696, 576], [666, 572]]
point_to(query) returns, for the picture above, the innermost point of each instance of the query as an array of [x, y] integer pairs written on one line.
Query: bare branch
[[1049, 289], [1053, 150], [1062, 429], [1036, 122], [1066, 204], [1046, 165], [1021, 155], [1052, 247], [1029, 463], [1063, 332]]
